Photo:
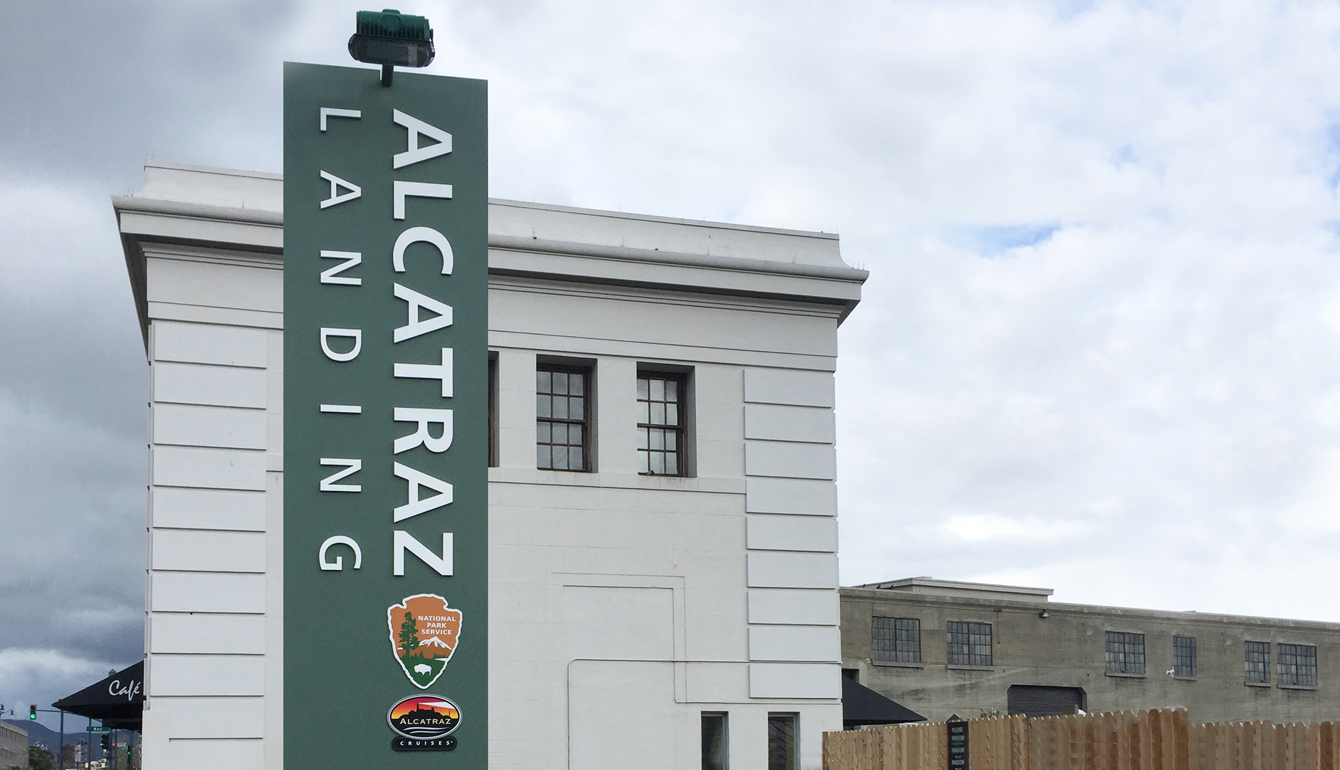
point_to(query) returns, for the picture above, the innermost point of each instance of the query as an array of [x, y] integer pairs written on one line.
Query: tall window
[[493, 410], [1184, 657], [660, 424], [716, 743], [1256, 658], [969, 643], [782, 754], [1297, 665], [1125, 653], [895, 640], [563, 418]]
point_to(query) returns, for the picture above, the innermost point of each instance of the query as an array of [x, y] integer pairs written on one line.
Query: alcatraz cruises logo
[[423, 723], [424, 633]]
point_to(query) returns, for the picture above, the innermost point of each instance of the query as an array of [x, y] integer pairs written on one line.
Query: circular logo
[[423, 717]]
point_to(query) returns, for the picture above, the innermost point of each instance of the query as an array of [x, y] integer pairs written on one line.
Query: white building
[[628, 612], [13, 747]]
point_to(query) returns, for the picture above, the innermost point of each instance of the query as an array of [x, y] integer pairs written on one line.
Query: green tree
[[40, 759], [409, 634]]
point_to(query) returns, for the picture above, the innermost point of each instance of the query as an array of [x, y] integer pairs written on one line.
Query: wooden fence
[[1148, 740]]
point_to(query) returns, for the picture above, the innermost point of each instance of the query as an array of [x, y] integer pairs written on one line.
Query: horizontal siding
[[798, 496], [792, 533], [208, 344], [787, 460], [795, 680], [208, 675], [209, 426], [206, 592], [818, 607], [788, 386], [819, 644], [208, 509], [212, 754], [208, 385], [189, 550], [198, 632], [207, 468], [780, 569], [214, 717], [771, 422]]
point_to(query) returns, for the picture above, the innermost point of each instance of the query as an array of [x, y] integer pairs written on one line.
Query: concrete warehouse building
[[663, 535], [13, 747], [942, 647]]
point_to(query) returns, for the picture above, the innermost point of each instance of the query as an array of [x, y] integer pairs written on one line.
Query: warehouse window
[[1297, 665], [895, 640], [1256, 657], [716, 741], [969, 643], [1184, 657], [660, 424], [563, 418], [782, 753], [1125, 653]]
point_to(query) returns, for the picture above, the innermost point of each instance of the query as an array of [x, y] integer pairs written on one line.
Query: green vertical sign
[[385, 420]]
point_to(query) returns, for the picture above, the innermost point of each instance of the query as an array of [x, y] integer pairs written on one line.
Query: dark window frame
[[964, 645], [1124, 653], [651, 432], [1256, 662], [1184, 657], [493, 409], [1296, 665], [545, 424], [715, 744], [895, 641], [783, 740]]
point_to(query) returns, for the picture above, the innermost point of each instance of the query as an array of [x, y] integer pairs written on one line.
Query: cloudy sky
[[1099, 350]]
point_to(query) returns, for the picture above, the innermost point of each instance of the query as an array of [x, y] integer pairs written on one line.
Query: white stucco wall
[[621, 606]]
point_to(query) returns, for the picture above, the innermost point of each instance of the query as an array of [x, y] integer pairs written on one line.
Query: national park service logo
[[424, 633]]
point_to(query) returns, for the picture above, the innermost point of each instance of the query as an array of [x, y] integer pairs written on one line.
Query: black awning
[[862, 706], [117, 700]]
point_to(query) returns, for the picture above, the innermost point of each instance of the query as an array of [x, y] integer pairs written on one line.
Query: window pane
[[542, 457], [560, 383], [671, 390], [542, 433], [543, 382], [670, 440], [658, 390], [1256, 659], [575, 435], [643, 412], [642, 388], [642, 438], [715, 747], [576, 383], [576, 408], [575, 459], [657, 414], [560, 408], [782, 742], [657, 462], [642, 463], [542, 406], [671, 465], [560, 458], [671, 414]]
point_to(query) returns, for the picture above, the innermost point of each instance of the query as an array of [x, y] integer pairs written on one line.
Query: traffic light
[[106, 741], [32, 711]]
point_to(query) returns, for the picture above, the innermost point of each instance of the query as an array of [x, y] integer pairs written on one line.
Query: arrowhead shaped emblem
[[424, 633]]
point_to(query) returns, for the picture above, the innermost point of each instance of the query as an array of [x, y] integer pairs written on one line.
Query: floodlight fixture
[[392, 39]]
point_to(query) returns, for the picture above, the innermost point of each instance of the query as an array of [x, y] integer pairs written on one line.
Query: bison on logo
[[424, 633]]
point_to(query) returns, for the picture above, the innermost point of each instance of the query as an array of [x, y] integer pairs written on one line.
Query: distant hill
[[38, 734]]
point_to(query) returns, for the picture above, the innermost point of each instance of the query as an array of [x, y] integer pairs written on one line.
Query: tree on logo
[[409, 634]]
